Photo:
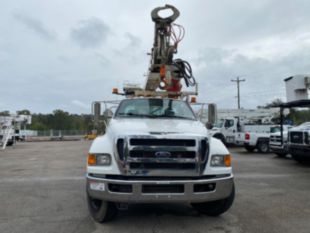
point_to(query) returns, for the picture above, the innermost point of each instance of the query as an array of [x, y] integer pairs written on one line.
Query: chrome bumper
[[222, 189]]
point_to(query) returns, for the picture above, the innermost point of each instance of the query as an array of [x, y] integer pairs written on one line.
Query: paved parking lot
[[42, 189]]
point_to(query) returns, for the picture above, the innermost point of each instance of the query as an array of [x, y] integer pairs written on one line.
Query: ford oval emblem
[[162, 154]]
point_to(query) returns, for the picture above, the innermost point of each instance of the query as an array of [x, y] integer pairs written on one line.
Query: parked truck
[[279, 144], [299, 142], [154, 149], [258, 138], [233, 124], [10, 129]]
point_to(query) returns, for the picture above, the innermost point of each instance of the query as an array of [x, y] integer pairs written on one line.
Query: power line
[[238, 80]]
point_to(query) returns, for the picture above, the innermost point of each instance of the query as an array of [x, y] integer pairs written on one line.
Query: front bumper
[[145, 191], [301, 150], [278, 148]]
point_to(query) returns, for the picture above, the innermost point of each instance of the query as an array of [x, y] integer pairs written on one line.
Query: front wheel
[[101, 211], [215, 208], [263, 147]]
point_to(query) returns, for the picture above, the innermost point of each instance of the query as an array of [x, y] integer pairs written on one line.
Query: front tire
[[215, 208], [10, 143], [263, 147], [101, 211]]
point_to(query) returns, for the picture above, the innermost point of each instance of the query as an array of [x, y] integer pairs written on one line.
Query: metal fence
[[60, 133]]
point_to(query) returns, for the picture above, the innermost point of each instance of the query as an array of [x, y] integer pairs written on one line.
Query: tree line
[[58, 120]]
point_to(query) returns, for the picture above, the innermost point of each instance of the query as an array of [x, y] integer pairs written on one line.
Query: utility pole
[[238, 80]]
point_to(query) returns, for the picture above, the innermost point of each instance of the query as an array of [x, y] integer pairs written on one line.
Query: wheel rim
[[264, 147]]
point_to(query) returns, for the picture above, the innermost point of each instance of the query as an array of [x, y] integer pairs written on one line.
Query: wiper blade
[[136, 114], [173, 116]]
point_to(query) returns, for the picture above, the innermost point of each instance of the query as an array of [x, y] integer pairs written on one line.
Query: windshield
[[275, 129], [219, 123], [155, 108]]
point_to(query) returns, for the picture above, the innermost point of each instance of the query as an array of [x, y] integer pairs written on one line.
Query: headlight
[[99, 159], [221, 160]]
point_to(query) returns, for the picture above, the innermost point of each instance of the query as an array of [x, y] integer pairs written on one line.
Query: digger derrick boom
[[165, 73]]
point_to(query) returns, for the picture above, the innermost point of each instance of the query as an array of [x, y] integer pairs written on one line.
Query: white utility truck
[[154, 149], [10, 128], [247, 127], [258, 138]]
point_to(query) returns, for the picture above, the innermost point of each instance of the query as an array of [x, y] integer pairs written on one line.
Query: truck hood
[[156, 126], [302, 127]]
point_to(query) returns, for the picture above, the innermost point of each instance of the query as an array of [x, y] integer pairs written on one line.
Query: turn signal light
[[91, 160], [162, 71], [227, 160], [193, 99]]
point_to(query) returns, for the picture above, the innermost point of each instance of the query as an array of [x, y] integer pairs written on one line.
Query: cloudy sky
[[65, 54]]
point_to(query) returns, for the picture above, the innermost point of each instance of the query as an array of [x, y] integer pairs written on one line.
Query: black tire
[[215, 208], [281, 155], [263, 146], [249, 148], [220, 137], [10, 143], [101, 211]]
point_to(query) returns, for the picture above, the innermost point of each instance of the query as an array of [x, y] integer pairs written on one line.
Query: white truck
[[154, 149], [228, 130], [10, 128], [257, 138], [299, 142], [279, 144], [233, 124]]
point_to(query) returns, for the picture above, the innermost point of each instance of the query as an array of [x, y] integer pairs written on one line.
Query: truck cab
[[155, 150], [228, 131]]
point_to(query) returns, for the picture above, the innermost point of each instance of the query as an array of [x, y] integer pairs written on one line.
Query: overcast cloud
[[66, 54]]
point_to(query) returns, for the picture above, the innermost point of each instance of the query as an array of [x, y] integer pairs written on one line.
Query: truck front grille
[[275, 138], [150, 155], [162, 142], [296, 137], [183, 166]]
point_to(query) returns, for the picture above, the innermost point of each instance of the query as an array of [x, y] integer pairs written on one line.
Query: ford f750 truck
[[154, 149]]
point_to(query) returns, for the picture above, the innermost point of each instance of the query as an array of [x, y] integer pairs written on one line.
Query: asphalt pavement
[[42, 189]]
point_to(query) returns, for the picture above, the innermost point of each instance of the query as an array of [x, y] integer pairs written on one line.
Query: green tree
[[5, 113], [23, 112]]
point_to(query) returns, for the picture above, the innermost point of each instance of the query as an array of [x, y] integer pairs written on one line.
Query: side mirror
[[212, 113], [209, 125], [96, 108], [108, 114]]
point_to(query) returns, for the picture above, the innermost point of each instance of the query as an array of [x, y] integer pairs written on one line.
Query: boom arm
[[166, 73]]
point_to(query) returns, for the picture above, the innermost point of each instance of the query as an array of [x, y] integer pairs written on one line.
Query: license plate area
[[162, 188]]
